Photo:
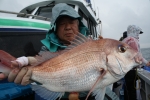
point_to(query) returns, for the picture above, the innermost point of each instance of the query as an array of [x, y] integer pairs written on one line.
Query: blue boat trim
[[21, 30]]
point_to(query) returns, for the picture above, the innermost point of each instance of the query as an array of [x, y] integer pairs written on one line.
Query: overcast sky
[[116, 15]]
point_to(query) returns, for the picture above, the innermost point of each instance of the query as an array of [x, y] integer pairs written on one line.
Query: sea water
[[146, 53]]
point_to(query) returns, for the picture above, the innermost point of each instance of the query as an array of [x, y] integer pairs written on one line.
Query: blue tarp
[[146, 68]]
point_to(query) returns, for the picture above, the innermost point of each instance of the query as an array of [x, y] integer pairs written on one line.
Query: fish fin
[[5, 61], [79, 39], [44, 56], [99, 93], [45, 93], [99, 78]]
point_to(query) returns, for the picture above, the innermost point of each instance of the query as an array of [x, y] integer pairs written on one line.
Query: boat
[[24, 23], [28, 22]]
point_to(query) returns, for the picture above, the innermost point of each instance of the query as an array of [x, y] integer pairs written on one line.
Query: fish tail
[[5, 62]]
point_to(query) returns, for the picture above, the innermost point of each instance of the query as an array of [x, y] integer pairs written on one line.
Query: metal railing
[[24, 14]]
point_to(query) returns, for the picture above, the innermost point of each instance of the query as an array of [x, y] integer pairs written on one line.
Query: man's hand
[[2, 76], [74, 96], [15, 67], [19, 75], [148, 64]]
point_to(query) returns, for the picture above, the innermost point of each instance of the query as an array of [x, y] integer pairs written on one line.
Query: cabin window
[[84, 18], [95, 32], [73, 6], [88, 23], [92, 29], [45, 12], [90, 26]]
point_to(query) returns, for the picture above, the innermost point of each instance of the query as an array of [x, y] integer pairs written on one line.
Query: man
[[132, 39], [124, 36], [65, 25]]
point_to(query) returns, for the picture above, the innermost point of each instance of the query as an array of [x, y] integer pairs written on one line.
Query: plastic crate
[[10, 91]]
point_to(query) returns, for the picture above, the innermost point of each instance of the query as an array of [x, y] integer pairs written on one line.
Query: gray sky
[[116, 15]]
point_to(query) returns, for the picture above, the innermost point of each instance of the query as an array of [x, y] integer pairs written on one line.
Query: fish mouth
[[137, 60], [114, 73]]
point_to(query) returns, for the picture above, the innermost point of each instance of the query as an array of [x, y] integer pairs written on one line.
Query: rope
[[24, 14], [136, 76]]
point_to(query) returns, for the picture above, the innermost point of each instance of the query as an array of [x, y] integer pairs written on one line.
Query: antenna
[[93, 7], [100, 23], [94, 4]]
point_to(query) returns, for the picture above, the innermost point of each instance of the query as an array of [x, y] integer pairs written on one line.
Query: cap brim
[[141, 32]]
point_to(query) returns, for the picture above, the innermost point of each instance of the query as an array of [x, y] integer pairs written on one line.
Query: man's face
[[67, 28]]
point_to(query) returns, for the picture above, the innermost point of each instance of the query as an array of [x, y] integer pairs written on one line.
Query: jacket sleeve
[[43, 49]]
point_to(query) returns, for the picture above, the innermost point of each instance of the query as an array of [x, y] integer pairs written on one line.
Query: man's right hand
[[20, 75], [2, 76]]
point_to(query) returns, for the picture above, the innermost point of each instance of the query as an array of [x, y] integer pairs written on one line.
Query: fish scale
[[74, 74], [81, 59]]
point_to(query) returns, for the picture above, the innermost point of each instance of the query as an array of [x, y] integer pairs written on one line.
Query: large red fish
[[85, 65]]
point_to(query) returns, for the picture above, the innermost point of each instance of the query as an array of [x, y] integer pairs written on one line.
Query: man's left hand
[[148, 64], [74, 96]]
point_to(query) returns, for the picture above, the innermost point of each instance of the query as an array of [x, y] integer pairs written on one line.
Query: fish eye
[[122, 48]]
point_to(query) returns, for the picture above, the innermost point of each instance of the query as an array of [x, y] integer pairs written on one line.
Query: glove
[[148, 64], [21, 73], [74, 96]]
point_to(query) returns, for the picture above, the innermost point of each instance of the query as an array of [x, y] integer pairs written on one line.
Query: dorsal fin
[[44, 56], [79, 39]]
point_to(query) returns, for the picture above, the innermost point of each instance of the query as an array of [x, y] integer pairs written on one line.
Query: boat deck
[[145, 84]]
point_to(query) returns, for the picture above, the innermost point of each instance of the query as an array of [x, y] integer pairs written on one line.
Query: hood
[[134, 31], [63, 9], [51, 41]]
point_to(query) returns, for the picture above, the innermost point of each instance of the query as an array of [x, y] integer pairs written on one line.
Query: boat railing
[[24, 14]]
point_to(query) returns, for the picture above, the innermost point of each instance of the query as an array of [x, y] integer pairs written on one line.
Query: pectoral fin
[[99, 78], [45, 93], [99, 93]]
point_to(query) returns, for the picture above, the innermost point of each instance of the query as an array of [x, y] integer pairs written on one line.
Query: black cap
[[141, 32]]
